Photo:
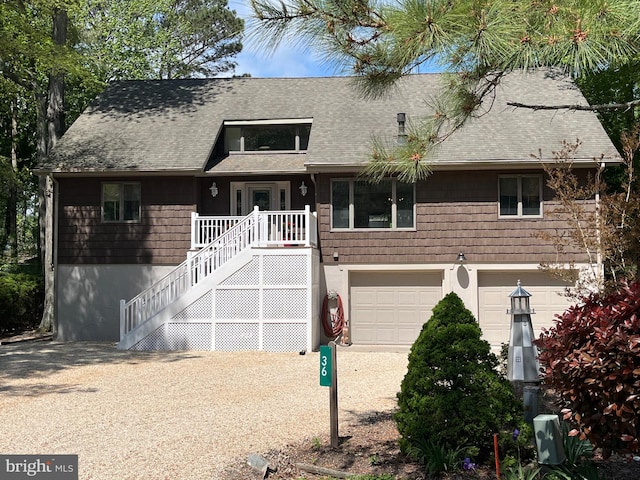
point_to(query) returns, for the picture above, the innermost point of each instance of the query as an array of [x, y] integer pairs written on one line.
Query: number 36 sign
[[325, 365]]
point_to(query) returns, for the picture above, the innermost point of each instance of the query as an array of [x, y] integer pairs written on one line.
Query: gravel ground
[[177, 415]]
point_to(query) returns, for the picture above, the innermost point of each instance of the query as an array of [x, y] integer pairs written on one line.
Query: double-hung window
[[360, 204], [121, 202], [520, 195]]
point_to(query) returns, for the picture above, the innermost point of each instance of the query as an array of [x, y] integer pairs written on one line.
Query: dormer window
[[267, 136]]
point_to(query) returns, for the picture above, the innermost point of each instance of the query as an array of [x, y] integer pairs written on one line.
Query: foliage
[[159, 38], [518, 472], [517, 446], [452, 395], [479, 40], [591, 358], [578, 464], [20, 300], [602, 230], [436, 457]]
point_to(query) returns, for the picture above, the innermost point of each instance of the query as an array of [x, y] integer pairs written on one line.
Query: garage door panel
[[493, 297], [408, 297], [386, 297], [406, 337], [363, 297], [391, 307]]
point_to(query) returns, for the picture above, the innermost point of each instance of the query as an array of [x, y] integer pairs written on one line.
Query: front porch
[[238, 289]]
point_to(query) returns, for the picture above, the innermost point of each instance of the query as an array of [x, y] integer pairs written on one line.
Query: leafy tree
[[452, 394], [159, 38], [55, 56]]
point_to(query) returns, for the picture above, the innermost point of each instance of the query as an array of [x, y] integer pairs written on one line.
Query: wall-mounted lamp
[[303, 189], [213, 189], [461, 259], [335, 256]]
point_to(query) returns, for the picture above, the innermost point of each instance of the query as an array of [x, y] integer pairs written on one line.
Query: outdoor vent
[[402, 135]]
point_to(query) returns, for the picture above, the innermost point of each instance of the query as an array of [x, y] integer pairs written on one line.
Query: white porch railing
[[258, 229], [277, 228], [204, 230]]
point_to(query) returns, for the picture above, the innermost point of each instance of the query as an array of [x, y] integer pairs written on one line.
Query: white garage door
[[493, 297], [389, 308]]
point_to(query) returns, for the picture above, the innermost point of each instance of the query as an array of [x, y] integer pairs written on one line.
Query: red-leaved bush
[[591, 358]]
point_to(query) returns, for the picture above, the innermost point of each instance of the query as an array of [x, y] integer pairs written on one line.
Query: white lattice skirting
[[271, 337], [264, 305]]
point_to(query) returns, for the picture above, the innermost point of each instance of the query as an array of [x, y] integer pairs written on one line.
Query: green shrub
[[20, 301], [452, 394], [591, 358]]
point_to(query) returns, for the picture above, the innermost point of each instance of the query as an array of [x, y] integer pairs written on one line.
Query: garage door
[[389, 308], [493, 297]]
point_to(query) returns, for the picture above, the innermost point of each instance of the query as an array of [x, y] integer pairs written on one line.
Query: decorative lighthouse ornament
[[522, 362]]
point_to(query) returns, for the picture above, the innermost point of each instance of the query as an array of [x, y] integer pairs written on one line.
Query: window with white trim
[[520, 195], [121, 202], [357, 204]]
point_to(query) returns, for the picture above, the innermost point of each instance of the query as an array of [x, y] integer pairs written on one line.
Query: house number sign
[[326, 364], [328, 378]]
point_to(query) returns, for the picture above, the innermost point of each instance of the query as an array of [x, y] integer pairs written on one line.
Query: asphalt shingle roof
[[173, 125]]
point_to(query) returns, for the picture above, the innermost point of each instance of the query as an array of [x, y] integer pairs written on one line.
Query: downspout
[[599, 266], [56, 219]]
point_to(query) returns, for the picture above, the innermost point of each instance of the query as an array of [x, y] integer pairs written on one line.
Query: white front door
[[265, 195]]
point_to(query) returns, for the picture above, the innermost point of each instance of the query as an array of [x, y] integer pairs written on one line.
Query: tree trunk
[[11, 220], [51, 132]]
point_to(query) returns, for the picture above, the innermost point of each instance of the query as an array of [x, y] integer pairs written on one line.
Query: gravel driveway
[[177, 415]]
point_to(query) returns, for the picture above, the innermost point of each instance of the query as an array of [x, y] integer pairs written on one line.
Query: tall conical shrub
[[452, 394]]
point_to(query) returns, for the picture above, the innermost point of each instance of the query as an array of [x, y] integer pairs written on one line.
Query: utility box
[[548, 433]]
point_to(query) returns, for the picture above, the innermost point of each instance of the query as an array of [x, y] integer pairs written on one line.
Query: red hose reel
[[332, 317]]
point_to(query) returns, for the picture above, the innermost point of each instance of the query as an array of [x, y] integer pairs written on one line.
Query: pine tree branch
[[590, 108]]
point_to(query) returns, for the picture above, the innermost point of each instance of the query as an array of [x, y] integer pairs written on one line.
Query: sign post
[[328, 378]]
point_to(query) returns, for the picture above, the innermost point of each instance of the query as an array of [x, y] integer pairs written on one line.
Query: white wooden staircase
[[249, 283]]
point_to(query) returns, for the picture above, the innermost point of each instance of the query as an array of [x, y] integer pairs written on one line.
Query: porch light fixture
[[461, 258], [303, 189], [214, 190]]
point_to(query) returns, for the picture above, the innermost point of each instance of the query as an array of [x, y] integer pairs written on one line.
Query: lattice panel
[[285, 337], [237, 304], [236, 336], [189, 336], [285, 303], [153, 341], [199, 309], [247, 275], [285, 270]]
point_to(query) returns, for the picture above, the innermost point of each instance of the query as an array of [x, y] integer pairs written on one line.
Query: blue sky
[[286, 61]]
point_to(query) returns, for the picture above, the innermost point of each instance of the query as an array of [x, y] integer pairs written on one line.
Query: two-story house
[[219, 213]]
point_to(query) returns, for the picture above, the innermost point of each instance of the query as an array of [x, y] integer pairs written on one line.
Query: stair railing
[[261, 229], [189, 273]]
